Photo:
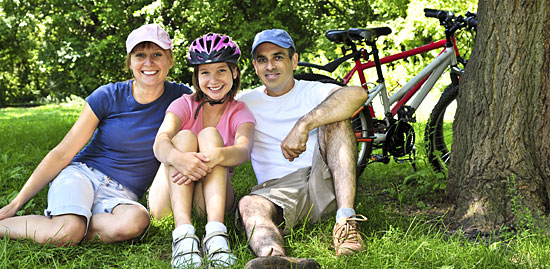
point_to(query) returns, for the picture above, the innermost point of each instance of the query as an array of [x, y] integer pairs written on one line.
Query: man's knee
[[337, 136], [245, 204], [253, 205], [255, 209], [340, 128]]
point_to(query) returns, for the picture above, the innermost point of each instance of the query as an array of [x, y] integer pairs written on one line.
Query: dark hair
[[199, 96], [145, 45], [291, 52]]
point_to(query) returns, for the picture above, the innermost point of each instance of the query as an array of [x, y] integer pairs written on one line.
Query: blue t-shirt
[[122, 145]]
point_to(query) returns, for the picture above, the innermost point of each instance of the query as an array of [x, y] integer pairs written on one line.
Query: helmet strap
[[211, 102]]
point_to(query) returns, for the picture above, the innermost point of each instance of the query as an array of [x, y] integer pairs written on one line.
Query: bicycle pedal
[[380, 158]]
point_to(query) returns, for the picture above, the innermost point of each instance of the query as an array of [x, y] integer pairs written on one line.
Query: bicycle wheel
[[362, 124], [439, 132], [364, 131]]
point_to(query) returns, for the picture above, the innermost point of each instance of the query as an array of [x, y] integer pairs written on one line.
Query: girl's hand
[[214, 155], [191, 166]]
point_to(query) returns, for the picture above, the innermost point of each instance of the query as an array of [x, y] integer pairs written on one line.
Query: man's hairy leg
[[258, 216], [339, 150]]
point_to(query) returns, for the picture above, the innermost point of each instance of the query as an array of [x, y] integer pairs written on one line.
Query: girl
[[201, 138]]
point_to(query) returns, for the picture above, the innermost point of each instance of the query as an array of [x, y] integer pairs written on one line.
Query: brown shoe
[[281, 262], [346, 237]]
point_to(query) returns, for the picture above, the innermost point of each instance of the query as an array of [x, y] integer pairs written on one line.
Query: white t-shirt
[[275, 117]]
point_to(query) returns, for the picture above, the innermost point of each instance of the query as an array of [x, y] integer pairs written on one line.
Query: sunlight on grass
[[400, 233]]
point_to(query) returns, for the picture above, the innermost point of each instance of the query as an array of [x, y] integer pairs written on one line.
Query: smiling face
[[215, 80], [275, 68], [150, 64]]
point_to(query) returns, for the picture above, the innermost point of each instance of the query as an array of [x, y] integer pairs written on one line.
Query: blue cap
[[276, 36]]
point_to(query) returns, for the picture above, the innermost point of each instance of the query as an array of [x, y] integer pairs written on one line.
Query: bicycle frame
[[406, 92], [424, 81]]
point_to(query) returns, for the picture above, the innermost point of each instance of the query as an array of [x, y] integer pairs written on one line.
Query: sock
[[344, 213], [218, 242], [183, 230]]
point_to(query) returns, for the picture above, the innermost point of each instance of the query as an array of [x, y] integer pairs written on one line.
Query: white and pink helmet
[[213, 48]]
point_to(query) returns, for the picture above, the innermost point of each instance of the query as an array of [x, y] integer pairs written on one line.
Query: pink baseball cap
[[149, 32]]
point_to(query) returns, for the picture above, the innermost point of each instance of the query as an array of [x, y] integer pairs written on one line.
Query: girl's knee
[[185, 140], [184, 136], [211, 136]]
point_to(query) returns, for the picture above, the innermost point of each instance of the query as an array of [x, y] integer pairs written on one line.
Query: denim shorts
[[85, 191]]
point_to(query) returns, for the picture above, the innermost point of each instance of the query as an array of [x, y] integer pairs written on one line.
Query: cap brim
[[157, 42], [280, 44]]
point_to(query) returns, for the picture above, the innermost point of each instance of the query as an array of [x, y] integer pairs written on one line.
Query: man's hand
[[295, 142]]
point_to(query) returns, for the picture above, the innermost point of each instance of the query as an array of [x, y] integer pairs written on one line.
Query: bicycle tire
[[362, 124], [438, 150]]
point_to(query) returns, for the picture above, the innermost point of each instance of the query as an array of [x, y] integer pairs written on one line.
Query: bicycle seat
[[368, 34], [337, 36]]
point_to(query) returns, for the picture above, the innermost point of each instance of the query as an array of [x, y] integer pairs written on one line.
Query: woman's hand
[[8, 211]]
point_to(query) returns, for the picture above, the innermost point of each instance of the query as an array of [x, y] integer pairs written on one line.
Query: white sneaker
[[221, 257], [185, 255]]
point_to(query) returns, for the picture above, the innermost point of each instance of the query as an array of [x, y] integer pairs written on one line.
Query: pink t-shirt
[[235, 114]]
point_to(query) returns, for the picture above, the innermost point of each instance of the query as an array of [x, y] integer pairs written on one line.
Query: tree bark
[[500, 170]]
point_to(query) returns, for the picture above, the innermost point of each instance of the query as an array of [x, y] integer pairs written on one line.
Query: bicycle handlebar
[[452, 23], [442, 15], [471, 19]]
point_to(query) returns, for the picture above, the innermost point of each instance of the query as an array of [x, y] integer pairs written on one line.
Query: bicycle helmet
[[213, 48]]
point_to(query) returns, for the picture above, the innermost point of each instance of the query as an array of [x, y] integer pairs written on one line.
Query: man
[[303, 156]]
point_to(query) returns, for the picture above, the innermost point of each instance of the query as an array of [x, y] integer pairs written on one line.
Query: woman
[[201, 137], [95, 193]]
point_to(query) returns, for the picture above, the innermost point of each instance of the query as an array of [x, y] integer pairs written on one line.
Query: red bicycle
[[395, 136]]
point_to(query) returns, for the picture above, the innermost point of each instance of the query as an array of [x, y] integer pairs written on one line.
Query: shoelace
[[348, 231]]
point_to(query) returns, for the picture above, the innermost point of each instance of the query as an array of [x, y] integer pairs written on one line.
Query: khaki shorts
[[305, 193]]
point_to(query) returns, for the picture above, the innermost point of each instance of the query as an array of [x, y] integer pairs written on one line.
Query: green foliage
[[56, 49], [525, 217], [52, 50]]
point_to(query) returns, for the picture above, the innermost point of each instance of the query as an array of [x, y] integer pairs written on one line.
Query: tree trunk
[[500, 170]]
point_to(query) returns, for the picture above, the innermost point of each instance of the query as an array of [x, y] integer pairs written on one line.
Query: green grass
[[404, 230]]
